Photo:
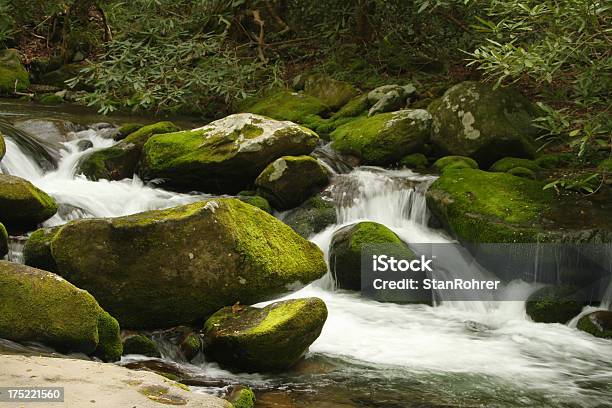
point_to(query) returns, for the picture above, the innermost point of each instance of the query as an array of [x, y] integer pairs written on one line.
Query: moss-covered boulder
[[474, 120], [385, 138], [331, 92], [226, 155], [126, 129], [598, 323], [121, 160], [346, 249], [40, 306], [523, 172], [272, 338], [37, 249], [176, 266], [3, 241], [478, 206], [13, 75], [255, 200], [554, 304], [508, 163], [314, 215], [22, 205], [389, 98], [290, 180], [454, 162], [414, 161], [2, 147], [292, 106], [140, 344], [242, 397], [357, 106]]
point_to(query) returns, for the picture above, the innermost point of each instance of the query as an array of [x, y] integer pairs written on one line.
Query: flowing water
[[478, 353]]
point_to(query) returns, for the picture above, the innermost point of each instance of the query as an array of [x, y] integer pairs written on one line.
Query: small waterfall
[[46, 153]]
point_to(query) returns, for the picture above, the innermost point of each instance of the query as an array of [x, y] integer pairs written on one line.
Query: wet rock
[[331, 92], [599, 324], [50, 130], [347, 245], [13, 75], [226, 155], [3, 241], [554, 304], [121, 160], [272, 338], [389, 98], [185, 339], [313, 216], [290, 180], [140, 344], [22, 205], [454, 162], [84, 144], [385, 138], [40, 306], [176, 266], [472, 119]]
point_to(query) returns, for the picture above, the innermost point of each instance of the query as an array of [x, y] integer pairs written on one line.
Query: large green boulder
[[22, 205], [598, 323], [314, 215], [554, 304], [346, 249], [292, 106], [290, 180], [331, 92], [226, 155], [13, 75], [472, 119], [177, 266], [385, 138], [272, 338], [121, 160], [39, 306], [478, 206], [3, 241]]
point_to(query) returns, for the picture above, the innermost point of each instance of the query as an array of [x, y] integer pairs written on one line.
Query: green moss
[[2, 147], [109, 344], [508, 163], [191, 345], [22, 204], [599, 324], [314, 215], [40, 306], [355, 107], [554, 304], [331, 92], [13, 75], [51, 99], [489, 207], [271, 338], [256, 201], [140, 344], [455, 162], [127, 129], [3, 241], [522, 172], [37, 249], [385, 138], [414, 161], [295, 107], [243, 398]]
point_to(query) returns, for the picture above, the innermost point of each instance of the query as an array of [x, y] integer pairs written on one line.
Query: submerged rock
[[346, 249], [39, 306], [385, 138], [22, 205], [290, 180], [3, 241], [313, 216], [599, 324], [226, 155], [13, 75], [331, 92], [554, 304], [474, 120], [140, 344], [162, 268], [121, 160], [272, 338]]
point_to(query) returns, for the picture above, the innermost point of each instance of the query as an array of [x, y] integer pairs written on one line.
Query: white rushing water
[[414, 339]]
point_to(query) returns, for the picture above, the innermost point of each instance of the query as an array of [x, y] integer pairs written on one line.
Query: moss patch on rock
[[599, 324], [455, 162], [242, 397], [385, 138], [121, 160], [313, 216], [2, 147], [22, 205], [41, 306], [13, 75], [127, 129], [508, 163], [554, 304], [37, 249], [331, 92], [177, 266], [140, 344], [272, 338], [256, 201], [292, 106], [290, 180], [414, 161], [3, 241]]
